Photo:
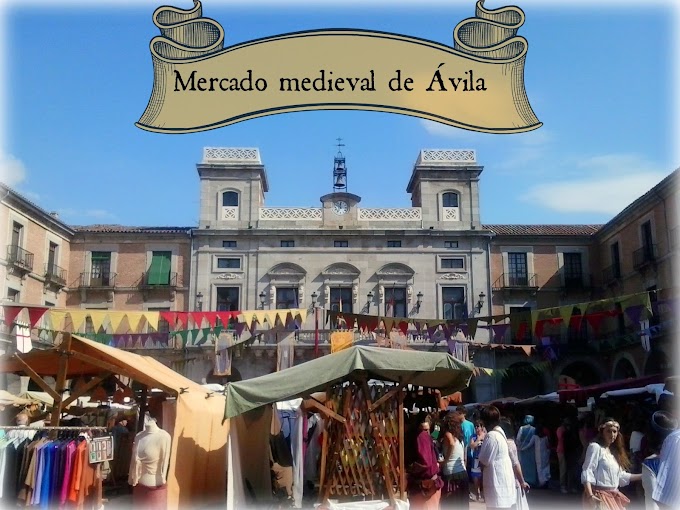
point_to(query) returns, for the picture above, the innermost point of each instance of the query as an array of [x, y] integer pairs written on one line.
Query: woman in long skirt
[[527, 454]]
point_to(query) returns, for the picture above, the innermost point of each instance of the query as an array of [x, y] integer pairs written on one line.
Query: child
[[475, 470]]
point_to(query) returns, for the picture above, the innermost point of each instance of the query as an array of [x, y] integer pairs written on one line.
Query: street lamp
[[314, 296], [369, 300], [263, 296], [480, 303], [419, 301], [199, 301]]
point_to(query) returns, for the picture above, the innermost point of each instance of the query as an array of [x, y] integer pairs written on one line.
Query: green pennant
[[565, 313], [184, 335]]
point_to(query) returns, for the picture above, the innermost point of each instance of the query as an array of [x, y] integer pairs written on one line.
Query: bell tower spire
[[339, 170]]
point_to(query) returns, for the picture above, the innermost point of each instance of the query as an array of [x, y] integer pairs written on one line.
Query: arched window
[[229, 199], [450, 200]]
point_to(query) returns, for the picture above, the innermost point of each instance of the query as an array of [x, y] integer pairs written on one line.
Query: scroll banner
[[477, 84]]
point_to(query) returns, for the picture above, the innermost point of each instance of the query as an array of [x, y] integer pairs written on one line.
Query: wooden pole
[[75, 395], [142, 408], [324, 453], [402, 471]]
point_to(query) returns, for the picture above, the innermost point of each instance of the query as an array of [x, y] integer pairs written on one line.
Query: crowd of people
[[496, 459]]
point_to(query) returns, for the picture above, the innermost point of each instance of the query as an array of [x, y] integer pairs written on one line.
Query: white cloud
[[605, 184], [79, 217], [12, 171], [439, 129]]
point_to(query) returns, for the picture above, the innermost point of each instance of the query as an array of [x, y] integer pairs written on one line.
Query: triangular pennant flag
[[565, 313], [472, 325], [169, 317], [302, 312], [284, 316], [217, 330], [418, 326], [431, 330], [389, 324], [538, 328], [97, 317], [77, 318], [134, 319], [197, 317], [594, 320], [56, 320], [225, 317], [526, 349], [451, 345], [260, 317], [634, 313], [521, 330], [239, 327], [34, 315], [184, 335], [403, 327], [11, 313], [182, 320], [115, 318], [211, 317], [499, 332], [152, 318]]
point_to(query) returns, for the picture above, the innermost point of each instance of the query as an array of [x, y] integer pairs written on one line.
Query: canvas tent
[[378, 467], [198, 455], [430, 369]]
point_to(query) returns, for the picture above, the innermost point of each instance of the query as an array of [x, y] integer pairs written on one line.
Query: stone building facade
[[435, 259]]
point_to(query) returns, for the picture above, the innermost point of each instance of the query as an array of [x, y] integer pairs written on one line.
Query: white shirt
[[600, 468], [497, 475], [667, 490]]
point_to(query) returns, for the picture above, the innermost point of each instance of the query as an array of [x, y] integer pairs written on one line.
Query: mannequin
[[149, 466]]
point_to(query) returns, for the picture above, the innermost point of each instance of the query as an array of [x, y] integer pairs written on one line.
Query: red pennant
[[594, 320], [169, 317], [212, 318], [521, 330], [197, 317], [182, 319], [225, 317], [35, 314], [11, 313], [403, 327], [539, 328]]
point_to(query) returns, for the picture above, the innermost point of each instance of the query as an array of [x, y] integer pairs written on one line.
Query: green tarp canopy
[[430, 369]]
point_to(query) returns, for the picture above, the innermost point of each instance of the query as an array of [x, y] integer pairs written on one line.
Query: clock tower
[[339, 207]]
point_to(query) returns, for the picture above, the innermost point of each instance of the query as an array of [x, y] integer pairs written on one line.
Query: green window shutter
[[159, 272]]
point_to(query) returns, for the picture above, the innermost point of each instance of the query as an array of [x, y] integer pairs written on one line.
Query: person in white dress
[[494, 458], [605, 469]]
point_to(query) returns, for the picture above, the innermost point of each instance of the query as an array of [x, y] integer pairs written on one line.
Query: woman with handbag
[[605, 469], [455, 493], [424, 484]]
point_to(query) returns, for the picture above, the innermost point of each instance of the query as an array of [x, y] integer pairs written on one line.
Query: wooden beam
[[131, 372], [38, 380], [60, 385], [393, 392], [323, 409], [87, 387], [402, 470]]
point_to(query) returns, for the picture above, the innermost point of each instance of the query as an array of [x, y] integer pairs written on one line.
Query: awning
[[580, 395], [653, 389], [540, 399], [429, 369]]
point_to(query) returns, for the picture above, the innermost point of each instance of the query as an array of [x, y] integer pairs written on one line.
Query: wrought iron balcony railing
[[98, 280], [154, 280], [576, 281], [645, 255], [19, 257], [55, 274], [519, 281]]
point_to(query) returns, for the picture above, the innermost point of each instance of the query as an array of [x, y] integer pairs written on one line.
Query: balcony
[[644, 256], [19, 259], [611, 275], [156, 281], [100, 280], [55, 275], [516, 281]]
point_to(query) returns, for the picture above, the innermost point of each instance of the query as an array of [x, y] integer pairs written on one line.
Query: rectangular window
[[228, 263], [101, 269], [616, 260], [647, 240], [52, 257], [227, 299], [17, 231], [159, 270], [395, 302], [573, 270], [341, 299], [288, 243], [286, 297], [450, 244], [457, 263], [12, 295], [229, 244], [517, 269], [453, 303], [340, 244], [394, 244]]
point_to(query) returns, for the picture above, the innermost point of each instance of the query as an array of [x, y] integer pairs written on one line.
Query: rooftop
[[124, 229], [550, 230]]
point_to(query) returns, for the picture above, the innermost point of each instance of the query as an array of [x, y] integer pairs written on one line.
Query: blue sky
[[601, 79]]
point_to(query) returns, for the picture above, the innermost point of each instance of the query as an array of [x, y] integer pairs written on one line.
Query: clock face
[[340, 207]]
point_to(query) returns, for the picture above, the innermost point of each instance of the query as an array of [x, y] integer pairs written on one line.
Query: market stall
[[194, 418], [362, 453]]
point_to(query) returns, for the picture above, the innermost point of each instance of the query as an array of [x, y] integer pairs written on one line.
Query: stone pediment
[[287, 269], [395, 269], [341, 269]]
